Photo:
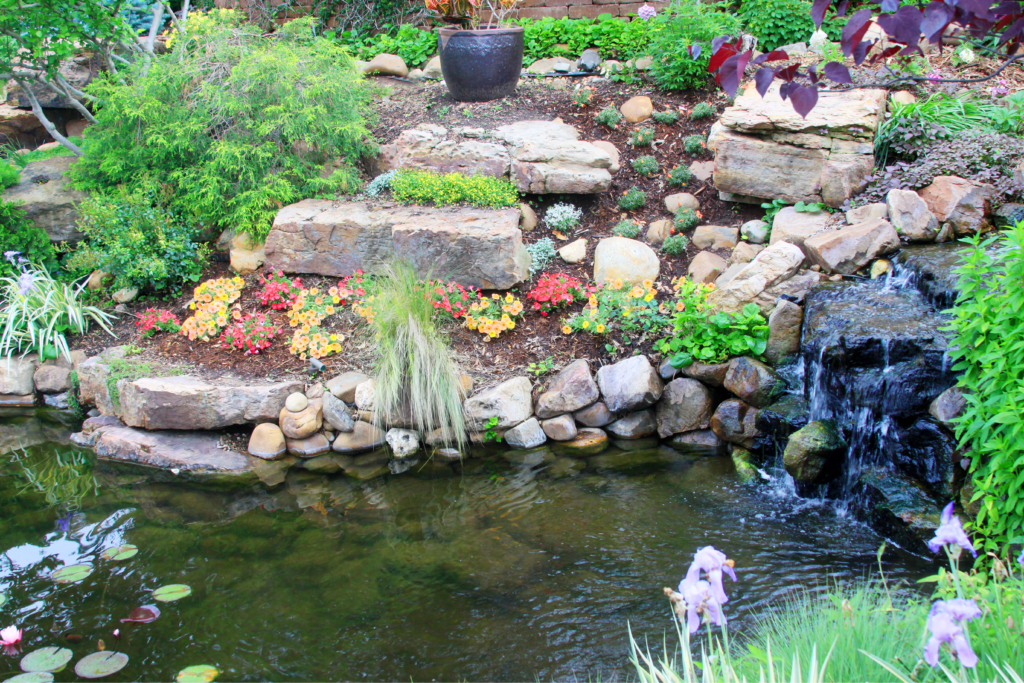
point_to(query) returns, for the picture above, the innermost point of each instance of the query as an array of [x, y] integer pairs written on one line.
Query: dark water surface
[[504, 571]]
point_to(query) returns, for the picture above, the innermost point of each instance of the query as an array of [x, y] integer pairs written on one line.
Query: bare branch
[[47, 124], [158, 15]]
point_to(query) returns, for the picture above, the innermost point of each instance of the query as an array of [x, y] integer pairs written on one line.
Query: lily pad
[[46, 659], [34, 677], [142, 615], [175, 591], [3, 599], [120, 553], [100, 664], [200, 673], [72, 573]]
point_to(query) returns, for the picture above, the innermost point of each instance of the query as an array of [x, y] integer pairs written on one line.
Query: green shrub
[[542, 252], [677, 27], [643, 137], [423, 187], [679, 176], [686, 219], [627, 228], [669, 116], [242, 125], [694, 144], [611, 36], [703, 336], [674, 245], [413, 45], [610, 116], [139, 242], [18, 233], [783, 22], [645, 165], [702, 110], [633, 199], [9, 176]]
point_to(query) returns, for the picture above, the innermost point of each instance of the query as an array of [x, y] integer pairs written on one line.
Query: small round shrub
[[679, 176], [674, 245], [702, 110], [633, 199], [627, 228], [9, 176], [609, 116], [668, 117], [563, 217], [643, 137], [686, 219], [693, 144], [645, 165]]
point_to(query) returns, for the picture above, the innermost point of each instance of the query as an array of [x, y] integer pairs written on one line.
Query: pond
[[515, 568]]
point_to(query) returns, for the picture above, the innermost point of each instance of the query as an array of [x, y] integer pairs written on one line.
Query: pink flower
[[646, 12], [10, 638]]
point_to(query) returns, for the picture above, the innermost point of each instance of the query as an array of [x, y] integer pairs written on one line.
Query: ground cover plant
[[494, 315], [423, 187], [542, 252], [563, 217], [674, 245], [250, 333], [633, 199], [154, 320], [679, 176], [9, 176], [646, 165], [627, 228], [412, 44], [613, 37], [632, 311], [210, 303]]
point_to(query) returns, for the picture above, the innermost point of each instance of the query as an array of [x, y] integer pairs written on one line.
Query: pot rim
[[451, 32]]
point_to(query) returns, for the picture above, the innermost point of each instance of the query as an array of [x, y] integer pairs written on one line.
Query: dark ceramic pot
[[481, 64]]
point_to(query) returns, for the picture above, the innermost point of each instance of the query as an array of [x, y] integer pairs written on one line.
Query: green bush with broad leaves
[[18, 233], [783, 22], [988, 328], [422, 187], [613, 37], [679, 26], [415, 46], [236, 124]]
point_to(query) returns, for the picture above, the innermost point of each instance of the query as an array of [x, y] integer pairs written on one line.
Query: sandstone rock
[[853, 114], [730, 273], [48, 199], [711, 374], [867, 212], [964, 204], [849, 249], [814, 453], [415, 75], [948, 406], [561, 428], [634, 426], [909, 214], [571, 389], [745, 252], [336, 414], [784, 326], [310, 447], [705, 267], [386, 65], [549, 157], [98, 280], [526, 435], [685, 406], [366, 395], [596, 415], [753, 382], [433, 68], [125, 295], [637, 109], [267, 442], [1018, 173], [612, 151], [296, 402], [755, 231], [195, 455], [902, 97], [527, 217], [795, 287], [574, 252], [715, 237], [19, 126], [314, 390], [344, 385], [50, 379], [622, 258], [364, 437], [699, 441], [17, 401], [702, 170], [475, 247], [735, 421], [658, 231], [544, 66], [510, 402], [796, 227], [644, 63], [681, 200], [403, 442], [629, 385], [588, 441], [303, 423], [16, 374], [777, 263]]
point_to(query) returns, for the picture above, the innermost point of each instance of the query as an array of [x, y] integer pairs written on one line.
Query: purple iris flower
[[64, 522], [700, 602], [945, 623], [646, 12], [950, 532], [1020, 559], [711, 562], [9, 255], [25, 283]]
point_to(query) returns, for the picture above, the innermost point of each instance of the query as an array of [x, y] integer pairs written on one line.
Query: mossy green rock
[[746, 472], [815, 452]]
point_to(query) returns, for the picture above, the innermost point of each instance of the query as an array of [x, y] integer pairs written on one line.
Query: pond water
[[508, 570]]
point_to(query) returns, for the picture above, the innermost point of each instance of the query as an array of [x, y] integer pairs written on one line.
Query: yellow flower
[[333, 337], [593, 312], [492, 334], [495, 296], [648, 297], [566, 330], [336, 299], [509, 298], [626, 312], [511, 325], [586, 324], [599, 329], [305, 329], [593, 301]]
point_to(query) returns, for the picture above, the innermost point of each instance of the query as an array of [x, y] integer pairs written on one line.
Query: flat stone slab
[[474, 247]]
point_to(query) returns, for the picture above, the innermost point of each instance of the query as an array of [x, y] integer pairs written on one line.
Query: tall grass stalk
[[415, 374]]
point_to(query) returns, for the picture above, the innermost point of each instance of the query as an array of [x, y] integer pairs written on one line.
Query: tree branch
[[47, 124], [158, 15]]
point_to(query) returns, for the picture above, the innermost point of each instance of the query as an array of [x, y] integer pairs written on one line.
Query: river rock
[[403, 442], [776, 264], [685, 406], [745, 252], [949, 405], [899, 508], [681, 200], [246, 255], [715, 237], [736, 422], [572, 388], [48, 199], [16, 374], [755, 231], [344, 385], [620, 258], [796, 227], [363, 437], [386, 65], [964, 204], [561, 428], [336, 413], [712, 374], [814, 454], [701, 441], [304, 423], [365, 395], [296, 402], [637, 109], [705, 267], [588, 441], [589, 61], [526, 435], [849, 249], [784, 326], [629, 385], [612, 152], [743, 461], [433, 68], [267, 442], [634, 426], [753, 382], [309, 447], [527, 217], [511, 402], [596, 415], [867, 212], [194, 454], [909, 214], [574, 252], [472, 246]]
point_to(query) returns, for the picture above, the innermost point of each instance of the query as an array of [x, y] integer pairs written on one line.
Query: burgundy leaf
[[763, 79], [904, 26], [861, 51], [885, 54], [719, 56], [804, 97], [812, 73], [890, 5], [785, 88], [777, 55], [911, 49], [818, 9], [1015, 28], [979, 8], [854, 31], [789, 73], [720, 41], [841, 8], [837, 72], [142, 615], [936, 17], [731, 72], [695, 51]]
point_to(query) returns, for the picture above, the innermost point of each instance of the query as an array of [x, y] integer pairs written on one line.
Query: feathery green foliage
[[422, 187], [633, 199], [646, 165], [627, 228], [679, 176]]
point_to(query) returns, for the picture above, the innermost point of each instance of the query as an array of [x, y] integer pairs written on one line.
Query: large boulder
[[474, 247], [814, 453], [910, 215], [753, 382], [795, 226], [197, 455], [736, 422], [686, 405], [963, 204], [849, 249], [20, 127], [48, 199], [620, 258], [572, 389], [777, 263], [631, 384], [510, 402], [784, 326], [16, 374]]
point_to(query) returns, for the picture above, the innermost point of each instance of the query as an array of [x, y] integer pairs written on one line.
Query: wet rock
[[620, 258], [561, 468], [681, 200], [344, 385], [909, 214], [783, 417], [588, 441], [304, 423], [526, 435], [711, 374], [706, 267], [700, 442], [48, 198], [58, 401], [574, 252], [561, 428], [715, 237], [849, 249], [774, 265], [753, 382], [879, 268], [336, 414], [964, 204], [744, 252], [794, 288], [193, 454], [743, 461], [386, 65], [629, 385], [784, 326], [948, 406], [646, 458], [634, 426], [365, 395], [899, 508], [868, 212], [510, 402], [814, 454], [685, 406], [328, 463], [925, 451], [735, 421], [596, 415], [448, 454], [531, 458], [637, 109], [309, 447], [755, 231], [589, 60], [403, 442], [364, 437], [267, 442], [364, 467], [16, 374], [273, 472], [296, 402], [933, 267], [796, 227]]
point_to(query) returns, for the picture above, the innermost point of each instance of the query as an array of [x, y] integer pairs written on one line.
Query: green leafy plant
[[563, 217], [634, 311], [686, 219], [772, 208], [627, 228], [682, 25], [642, 137], [645, 165], [413, 45], [542, 367], [9, 176], [783, 22], [701, 111], [809, 207], [23, 160], [634, 198], [674, 245], [491, 431], [667, 117], [542, 252], [422, 187], [612, 36], [694, 144], [679, 176], [19, 234], [609, 116]]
